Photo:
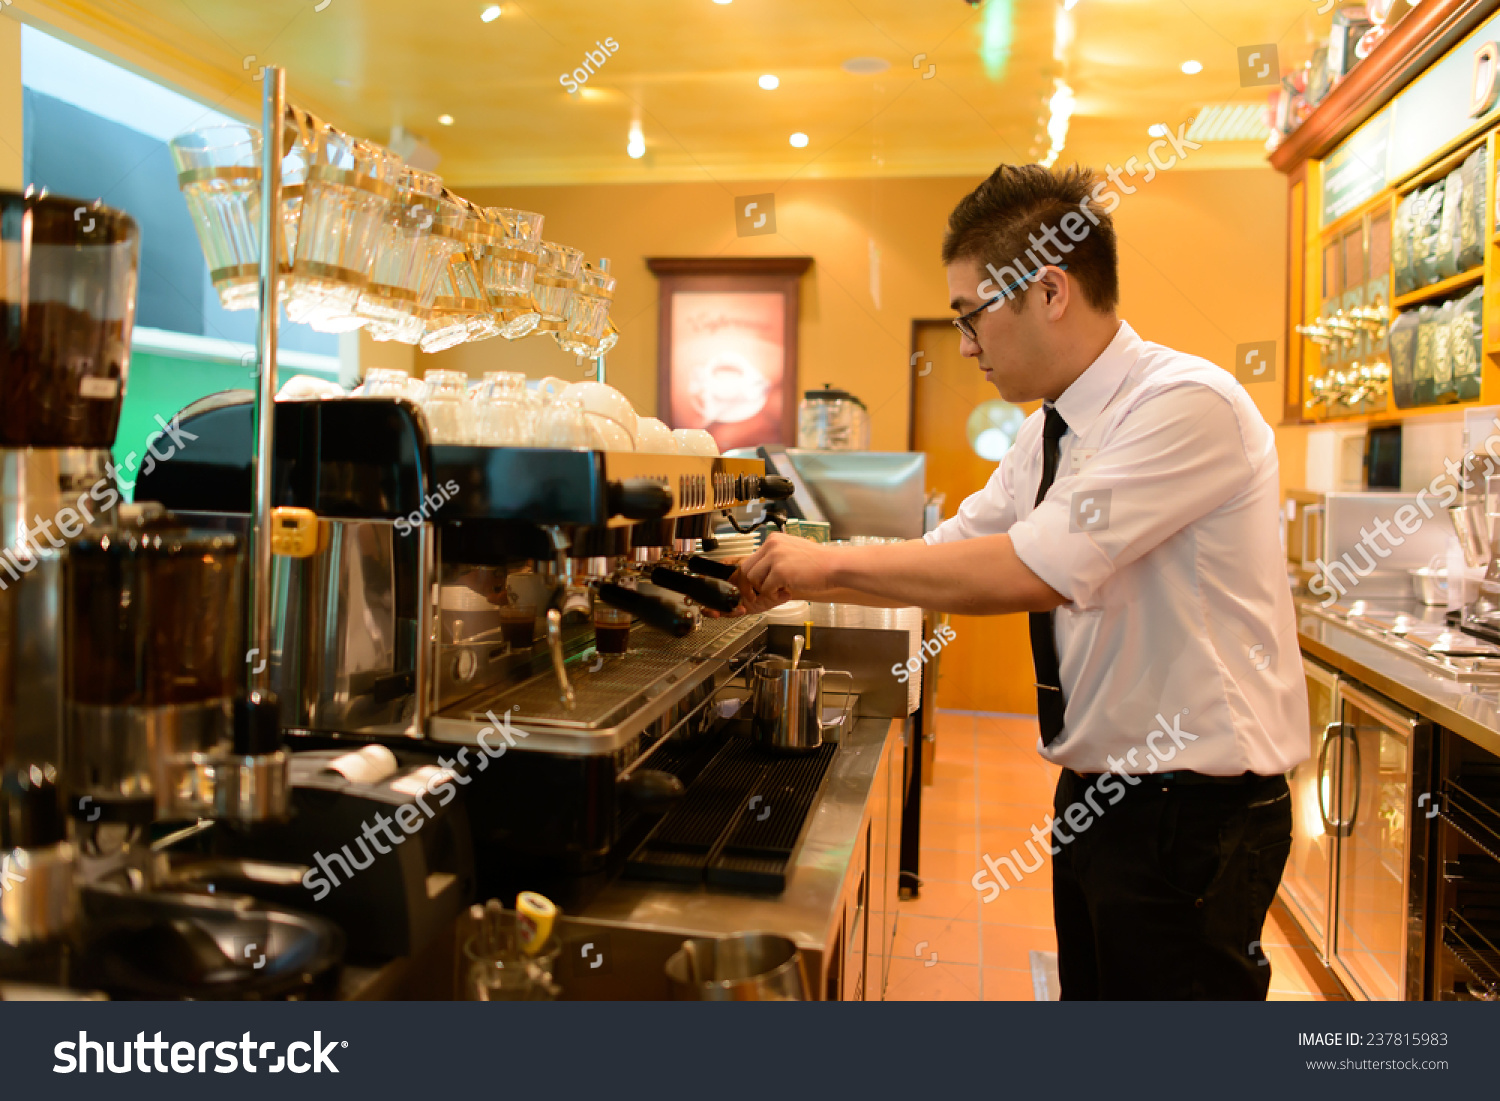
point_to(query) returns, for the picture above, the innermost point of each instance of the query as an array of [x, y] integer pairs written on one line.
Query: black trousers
[[1163, 894]]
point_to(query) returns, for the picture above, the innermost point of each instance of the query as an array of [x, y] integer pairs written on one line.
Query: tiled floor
[[989, 787]]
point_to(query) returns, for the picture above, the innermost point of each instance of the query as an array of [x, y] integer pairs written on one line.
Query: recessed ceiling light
[[798, 140], [864, 66], [446, 120], [490, 14], [1157, 130], [723, 1], [1192, 68], [769, 82], [636, 146]]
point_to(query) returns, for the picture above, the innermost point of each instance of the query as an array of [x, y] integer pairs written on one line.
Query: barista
[[1136, 522]]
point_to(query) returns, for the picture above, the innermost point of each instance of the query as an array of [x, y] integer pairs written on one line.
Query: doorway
[[987, 667]]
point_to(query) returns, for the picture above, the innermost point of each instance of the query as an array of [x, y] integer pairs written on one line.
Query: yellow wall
[[10, 103], [1202, 269]]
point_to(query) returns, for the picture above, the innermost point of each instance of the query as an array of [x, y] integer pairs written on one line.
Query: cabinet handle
[[1327, 744], [1358, 780]]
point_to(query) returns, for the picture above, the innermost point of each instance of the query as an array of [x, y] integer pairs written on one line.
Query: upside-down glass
[[609, 339], [408, 256], [469, 275], [218, 170], [449, 413], [351, 185], [445, 323], [509, 266], [461, 310], [587, 313], [556, 280]]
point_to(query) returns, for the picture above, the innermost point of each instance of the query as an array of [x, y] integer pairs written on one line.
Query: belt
[[1183, 778]]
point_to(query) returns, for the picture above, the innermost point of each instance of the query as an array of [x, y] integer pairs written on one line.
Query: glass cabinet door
[[1308, 880], [1369, 935]]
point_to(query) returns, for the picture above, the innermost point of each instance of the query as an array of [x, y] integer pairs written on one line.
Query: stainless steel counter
[[1472, 711], [646, 922]]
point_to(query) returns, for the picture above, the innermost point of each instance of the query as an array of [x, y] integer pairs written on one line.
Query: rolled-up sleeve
[[991, 511], [1174, 458]]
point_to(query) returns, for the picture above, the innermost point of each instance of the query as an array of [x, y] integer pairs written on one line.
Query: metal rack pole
[[273, 121], [599, 360]]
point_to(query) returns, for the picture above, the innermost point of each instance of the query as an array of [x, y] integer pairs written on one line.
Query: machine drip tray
[[741, 822]]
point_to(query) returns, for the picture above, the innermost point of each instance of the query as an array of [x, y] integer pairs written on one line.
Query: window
[[96, 130]]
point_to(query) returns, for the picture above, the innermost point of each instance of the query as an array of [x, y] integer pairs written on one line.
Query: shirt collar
[[1083, 401]]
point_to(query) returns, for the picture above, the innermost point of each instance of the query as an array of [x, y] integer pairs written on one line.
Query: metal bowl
[[1430, 586]]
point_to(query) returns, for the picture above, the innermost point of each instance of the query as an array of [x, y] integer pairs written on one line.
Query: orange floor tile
[[989, 788]]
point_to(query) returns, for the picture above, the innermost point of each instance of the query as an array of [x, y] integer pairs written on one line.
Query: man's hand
[[782, 567]]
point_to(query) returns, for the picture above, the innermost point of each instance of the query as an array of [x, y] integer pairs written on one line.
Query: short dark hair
[[998, 223]]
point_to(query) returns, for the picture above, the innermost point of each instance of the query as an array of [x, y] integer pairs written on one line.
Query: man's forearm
[[981, 576]]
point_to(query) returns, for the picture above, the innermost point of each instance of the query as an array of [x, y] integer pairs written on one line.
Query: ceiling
[[965, 88]]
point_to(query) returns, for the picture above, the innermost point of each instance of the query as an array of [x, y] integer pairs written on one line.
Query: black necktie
[[1050, 704]]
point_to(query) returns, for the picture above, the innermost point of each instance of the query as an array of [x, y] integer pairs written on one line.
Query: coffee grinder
[[68, 273]]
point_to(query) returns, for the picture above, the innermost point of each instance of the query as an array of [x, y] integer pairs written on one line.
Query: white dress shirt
[[1178, 641]]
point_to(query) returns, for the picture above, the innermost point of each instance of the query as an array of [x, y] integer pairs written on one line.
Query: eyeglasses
[[964, 323]]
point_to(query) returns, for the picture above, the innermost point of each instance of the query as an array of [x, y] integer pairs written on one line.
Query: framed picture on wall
[[727, 346]]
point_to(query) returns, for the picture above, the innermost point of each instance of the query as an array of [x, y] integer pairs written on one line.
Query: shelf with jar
[[1348, 368], [1424, 246]]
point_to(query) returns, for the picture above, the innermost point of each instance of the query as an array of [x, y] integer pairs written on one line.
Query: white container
[[654, 437], [605, 402], [696, 441], [610, 434]]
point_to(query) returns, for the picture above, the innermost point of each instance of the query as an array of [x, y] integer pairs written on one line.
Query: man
[[1135, 520]]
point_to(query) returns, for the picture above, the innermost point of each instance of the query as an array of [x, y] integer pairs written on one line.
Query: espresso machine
[[422, 591], [67, 305]]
